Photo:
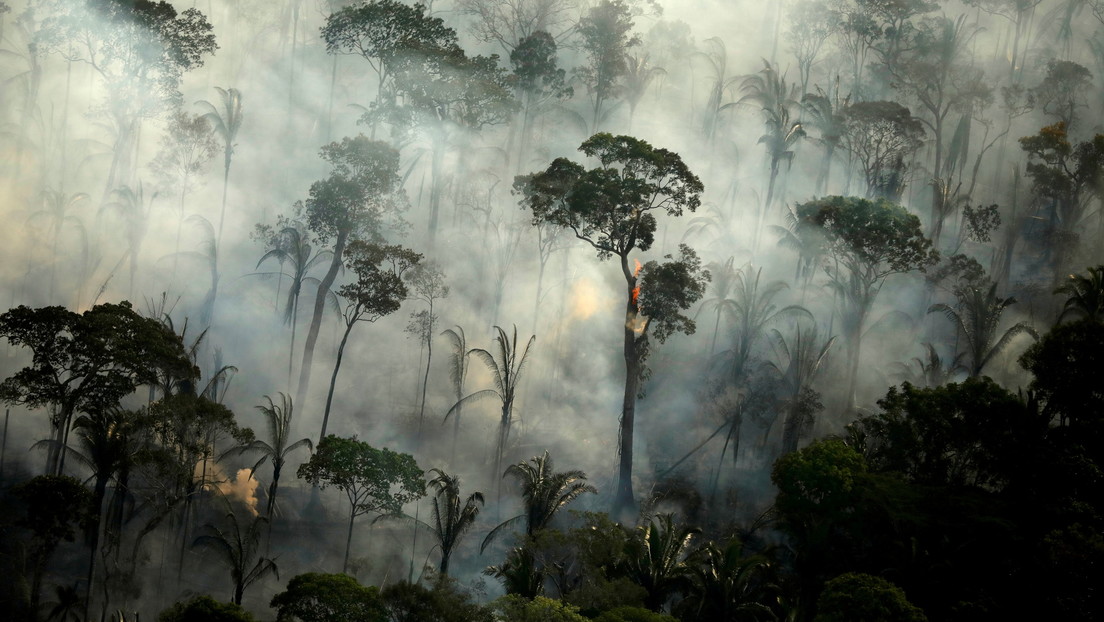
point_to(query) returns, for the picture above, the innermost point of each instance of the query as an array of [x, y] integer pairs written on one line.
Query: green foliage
[[669, 288], [375, 480], [1084, 295], [237, 549], [856, 597], [611, 207], [881, 136], [972, 433], [606, 38], [534, 61], [1065, 173], [633, 614], [871, 238], [320, 597], [655, 558], [361, 195], [540, 609], [1065, 363], [977, 318], [379, 288], [817, 481], [204, 609], [452, 518], [56, 504], [444, 602]]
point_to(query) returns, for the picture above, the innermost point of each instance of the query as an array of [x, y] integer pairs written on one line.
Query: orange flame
[[636, 290]]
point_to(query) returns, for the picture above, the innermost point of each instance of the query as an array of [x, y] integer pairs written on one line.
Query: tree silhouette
[[373, 480], [56, 209], [428, 284], [868, 242], [355, 201], [775, 98], [458, 373], [605, 33], [132, 205], [728, 584], [544, 492], [226, 123], [378, 290], [85, 362], [826, 114], [612, 208], [291, 246], [1085, 295], [655, 558], [278, 420], [140, 50], [505, 371], [55, 504], [238, 550], [452, 517], [800, 362], [977, 318]]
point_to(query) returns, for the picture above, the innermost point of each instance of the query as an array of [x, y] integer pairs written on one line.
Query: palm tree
[[656, 556], [717, 60], [226, 123], [723, 282], [544, 492], [57, 209], [1085, 295], [638, 76], [826, 115], [292, 247], [458, 373], [753, 311], [238, 551], [131, 205], [278, 419], [452, 518], [799, 363], [770, 91], [726, 584], [978, 319], [506, 374], [933, 371]]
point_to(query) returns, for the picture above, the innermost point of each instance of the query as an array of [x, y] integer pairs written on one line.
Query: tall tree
[[237, 548], [362, 194], [977, 318], [880, 137], [140, 49], [544, 492], [226, 123], [505, 370], [868, 241], [452, 517], [458, 374], [291, 246], [378, 291], [83, 363], [612, 208], [428, 284], [606, 39], [373, 480], [279, 445]]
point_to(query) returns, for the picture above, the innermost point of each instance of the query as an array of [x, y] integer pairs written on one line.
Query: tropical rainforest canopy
[[511, 310]]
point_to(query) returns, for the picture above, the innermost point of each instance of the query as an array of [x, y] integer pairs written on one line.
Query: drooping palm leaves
[[800, 360], [458, 373], [775, 98], [544, 492], [452, 517], [226, 123], [1085, 295], [291, 247], [722, 285], [977, 318], [238, 550], [278, 419], [505, 365], [727, 584], [656, 559]]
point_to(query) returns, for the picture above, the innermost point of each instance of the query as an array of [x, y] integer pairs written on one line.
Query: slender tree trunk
[[333, 380], [316, 318], [429, 359], [437, 164], [624, 504], [222, 216], [348, 542]]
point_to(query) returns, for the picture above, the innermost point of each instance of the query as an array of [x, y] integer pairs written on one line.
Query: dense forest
[[552, 310]]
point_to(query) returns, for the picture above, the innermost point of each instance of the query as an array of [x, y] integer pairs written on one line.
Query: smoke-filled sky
[[67, 241]]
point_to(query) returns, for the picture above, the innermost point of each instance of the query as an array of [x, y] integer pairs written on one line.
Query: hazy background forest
[[187, 157]]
